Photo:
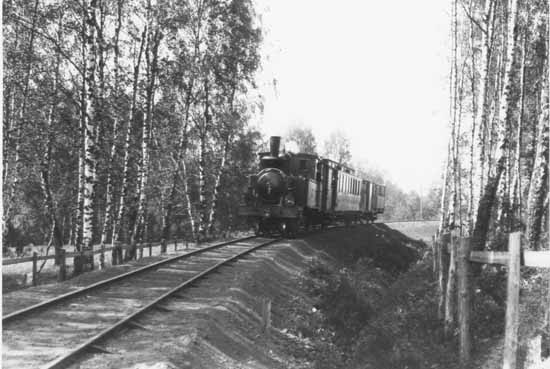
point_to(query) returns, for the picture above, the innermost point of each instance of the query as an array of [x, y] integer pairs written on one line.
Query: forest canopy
[[124, 118], [496, 176]]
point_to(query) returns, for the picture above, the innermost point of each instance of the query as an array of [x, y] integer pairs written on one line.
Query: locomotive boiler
[[293, 190]]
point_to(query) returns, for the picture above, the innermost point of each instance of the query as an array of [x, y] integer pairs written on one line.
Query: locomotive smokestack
[[274, 143]]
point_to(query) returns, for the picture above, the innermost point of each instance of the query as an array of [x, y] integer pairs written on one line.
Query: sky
[[378, 71]]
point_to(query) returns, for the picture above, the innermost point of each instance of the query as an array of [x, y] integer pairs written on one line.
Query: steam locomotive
[[294, 190]]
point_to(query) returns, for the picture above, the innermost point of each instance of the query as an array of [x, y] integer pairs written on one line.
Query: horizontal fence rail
[[536, 259], [97, 250], [445, 248]]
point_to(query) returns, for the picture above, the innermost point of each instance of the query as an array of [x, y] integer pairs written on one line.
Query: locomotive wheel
[[291, 228], [260, 228], [307, 225]]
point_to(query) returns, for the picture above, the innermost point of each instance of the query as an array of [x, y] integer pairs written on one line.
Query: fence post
[[62, 274], [512, 302], [464, 305], [34, 268], [141, 250], [90, 257], [266, 314], [450, 293], [176, 244], [102, 257], [163, 246], [434, 259], [443, 268], [114, 255], [437, 258], [150, 249]]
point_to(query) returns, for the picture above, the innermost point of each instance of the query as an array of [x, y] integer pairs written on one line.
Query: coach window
[[347, 184], [345, 189], [343, 183]]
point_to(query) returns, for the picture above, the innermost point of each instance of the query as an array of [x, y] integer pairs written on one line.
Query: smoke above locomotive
[[295, 190]]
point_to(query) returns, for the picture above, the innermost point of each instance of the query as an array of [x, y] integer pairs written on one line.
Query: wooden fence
[[97, 249], [452, 265]]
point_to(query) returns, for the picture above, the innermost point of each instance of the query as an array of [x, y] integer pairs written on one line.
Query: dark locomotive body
[[291, 190]]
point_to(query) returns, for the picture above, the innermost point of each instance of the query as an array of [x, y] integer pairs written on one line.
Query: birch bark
[[538, 188], [118, 228], [109, 203], [151, 55], [89, 127], [487, 200], [56, 238], [11, 186]]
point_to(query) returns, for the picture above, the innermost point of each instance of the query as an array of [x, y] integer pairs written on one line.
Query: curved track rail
[[55, 300], [106, 304]]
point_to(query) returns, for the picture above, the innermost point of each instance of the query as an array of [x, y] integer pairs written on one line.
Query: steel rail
[[19, 313], [64, 360]]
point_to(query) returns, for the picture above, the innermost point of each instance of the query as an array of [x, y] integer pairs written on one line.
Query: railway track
[[54, 333]]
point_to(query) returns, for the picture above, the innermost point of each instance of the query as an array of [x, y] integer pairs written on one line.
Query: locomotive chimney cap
[[274, 144]]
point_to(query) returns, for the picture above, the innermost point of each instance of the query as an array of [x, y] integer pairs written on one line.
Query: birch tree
[[151, 56], [506, 104], [130, 121], [88, 152], [538, 189]]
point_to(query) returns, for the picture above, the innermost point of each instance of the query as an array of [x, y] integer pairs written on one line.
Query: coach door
[[334, 189], [325, 180]]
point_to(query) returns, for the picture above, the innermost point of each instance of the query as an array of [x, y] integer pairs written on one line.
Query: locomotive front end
[[271, 185], [268, 202]]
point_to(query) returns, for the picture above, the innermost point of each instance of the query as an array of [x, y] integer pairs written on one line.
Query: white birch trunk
[[471, 195], [484, 102], [516, 189], [203, 217], [143, 168], [109, 203], [444, 188], [56, 238], [89, 127], [487, 201], [118, 228], [188, 200], [538, 188], [211, 214], [11, 186]]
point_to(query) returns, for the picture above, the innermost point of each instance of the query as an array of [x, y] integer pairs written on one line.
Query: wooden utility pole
[[443, 270], [464, 302], [512, 302], [450, 293]]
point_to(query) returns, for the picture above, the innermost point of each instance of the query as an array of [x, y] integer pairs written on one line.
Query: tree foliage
[[303, 138], [122, 100], [496, 176], [337, 148]]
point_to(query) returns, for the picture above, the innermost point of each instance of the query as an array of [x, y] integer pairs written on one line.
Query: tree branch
[[23, 22], [472, 19]]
